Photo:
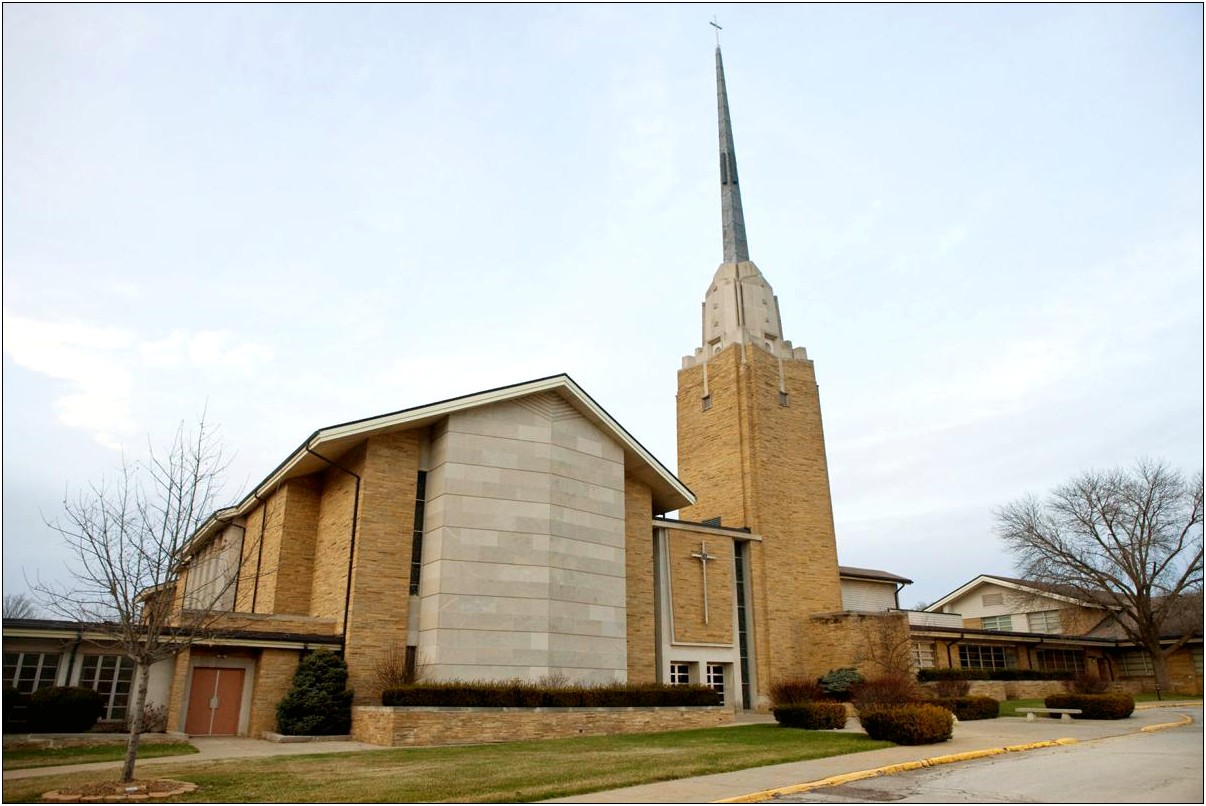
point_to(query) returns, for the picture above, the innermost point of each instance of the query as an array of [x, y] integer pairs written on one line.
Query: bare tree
[[131, 540], [19, 605], [1128, 540]]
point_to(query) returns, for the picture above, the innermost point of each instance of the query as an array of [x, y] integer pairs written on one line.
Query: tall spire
[[736, 250]]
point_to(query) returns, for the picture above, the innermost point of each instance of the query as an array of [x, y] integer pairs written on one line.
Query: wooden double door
[[214, 701]]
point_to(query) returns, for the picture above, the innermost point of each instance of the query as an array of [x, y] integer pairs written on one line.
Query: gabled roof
[[1028, 587], [850, 572], [669, 493]]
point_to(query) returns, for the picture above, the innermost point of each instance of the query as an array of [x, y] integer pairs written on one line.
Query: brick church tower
[[751, 445]]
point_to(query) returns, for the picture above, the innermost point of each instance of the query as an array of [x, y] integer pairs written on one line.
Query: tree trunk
[[1160, 668], [136, 712]]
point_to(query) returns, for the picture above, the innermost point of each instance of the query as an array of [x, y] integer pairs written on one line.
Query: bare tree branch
[[1128, 541], [130, 540]]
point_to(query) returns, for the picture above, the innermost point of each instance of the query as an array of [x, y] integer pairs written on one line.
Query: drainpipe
[[347, 597]]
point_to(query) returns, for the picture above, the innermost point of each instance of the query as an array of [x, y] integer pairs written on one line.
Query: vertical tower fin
[[736, 250]]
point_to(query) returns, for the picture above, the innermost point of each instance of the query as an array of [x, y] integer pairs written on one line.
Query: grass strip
[[87, 754], [513, 772]]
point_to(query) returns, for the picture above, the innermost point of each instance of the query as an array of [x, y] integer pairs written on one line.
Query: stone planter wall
[[403, 726]]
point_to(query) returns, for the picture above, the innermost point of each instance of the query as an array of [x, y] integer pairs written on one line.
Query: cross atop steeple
[[736, 250]]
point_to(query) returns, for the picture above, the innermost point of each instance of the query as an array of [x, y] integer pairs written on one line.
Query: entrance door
[[214, 702]]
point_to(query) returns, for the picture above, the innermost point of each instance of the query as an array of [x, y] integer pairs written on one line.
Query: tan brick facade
[[380, 595], [757, 459], [638, 563], [273, 677], [687, 590]]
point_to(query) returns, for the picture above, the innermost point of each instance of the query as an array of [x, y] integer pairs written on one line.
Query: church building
[[522, 532]]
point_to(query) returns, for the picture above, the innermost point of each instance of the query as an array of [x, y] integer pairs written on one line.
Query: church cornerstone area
[[422, 726]]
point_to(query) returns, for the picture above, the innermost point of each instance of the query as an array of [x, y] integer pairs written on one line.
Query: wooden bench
[[1064, 713]]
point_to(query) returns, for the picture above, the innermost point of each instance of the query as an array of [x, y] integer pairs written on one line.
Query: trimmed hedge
[[16, 709], [64, 709], [926, 675], [519, 694], [968, 709], [811, 715], [908, 724], [1114, 705]]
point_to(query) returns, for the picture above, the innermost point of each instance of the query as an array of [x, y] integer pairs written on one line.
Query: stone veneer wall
[[524, 551], [417, 727]]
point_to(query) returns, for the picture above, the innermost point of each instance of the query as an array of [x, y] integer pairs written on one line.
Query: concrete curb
[[1182, 722], [892, 769]]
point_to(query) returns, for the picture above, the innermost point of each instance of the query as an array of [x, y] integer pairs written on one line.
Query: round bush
[[811, 715], [64, 709], [908, 724], [1114, 705]]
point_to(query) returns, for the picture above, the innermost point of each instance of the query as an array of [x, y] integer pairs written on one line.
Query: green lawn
[[496, 773], [22, 759]]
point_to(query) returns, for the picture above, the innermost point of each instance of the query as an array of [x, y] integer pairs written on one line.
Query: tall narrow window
[[416, 543], [743, 638], [110, 676], [715, 677]]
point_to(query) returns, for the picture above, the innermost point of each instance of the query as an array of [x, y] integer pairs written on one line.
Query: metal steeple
[[736, 250]]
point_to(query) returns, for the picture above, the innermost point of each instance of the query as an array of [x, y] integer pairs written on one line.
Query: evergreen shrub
[[839, 682], [319, 702], [817, 715], [1114, 705], [908, 724], [522, 694], [968, 709], [64, 709]]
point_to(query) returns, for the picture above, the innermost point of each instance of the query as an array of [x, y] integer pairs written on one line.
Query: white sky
[[983, 222]]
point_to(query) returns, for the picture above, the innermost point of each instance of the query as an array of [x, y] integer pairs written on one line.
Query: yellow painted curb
[[1182, 722], [891, 769]]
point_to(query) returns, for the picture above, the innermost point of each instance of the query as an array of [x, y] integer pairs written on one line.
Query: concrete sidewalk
[[759, 783]]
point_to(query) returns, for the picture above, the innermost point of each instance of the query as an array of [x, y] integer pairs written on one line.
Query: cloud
[[107, 368]]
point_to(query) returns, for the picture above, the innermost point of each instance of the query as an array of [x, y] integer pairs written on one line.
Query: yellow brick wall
[[176, 704], [755, 463], [273, 676], [381, 575], [269, 553], [299, 525], [247, 590], [638, 579], [686, 586], [332, 540], [419, 727]]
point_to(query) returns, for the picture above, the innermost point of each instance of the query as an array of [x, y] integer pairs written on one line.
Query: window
[[1196, 654], [1000, 623], [992, 599], [1045, 621], [110, 676], [680, 674], [1061, 660], [29, 671], [416, 540], [922, 655], [715, 677], [983, 656], [1137, 663]]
